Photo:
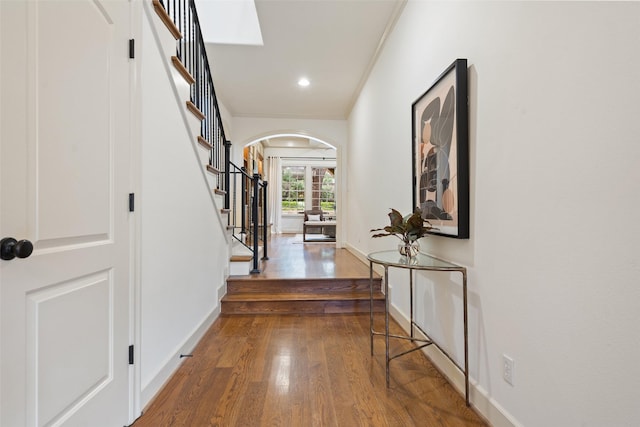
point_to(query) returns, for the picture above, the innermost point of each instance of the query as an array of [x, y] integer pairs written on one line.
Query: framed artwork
[[441, 153]]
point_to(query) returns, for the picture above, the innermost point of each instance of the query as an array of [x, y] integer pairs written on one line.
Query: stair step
[[166, 19], [311, 285], [241, 258], [204, 143], [182, 70], [301, 296], [296, 296], [195, 111], [319, 306]]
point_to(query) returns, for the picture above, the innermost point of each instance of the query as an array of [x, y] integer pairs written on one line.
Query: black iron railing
[[245, 195], [248, 211], [191, 52]]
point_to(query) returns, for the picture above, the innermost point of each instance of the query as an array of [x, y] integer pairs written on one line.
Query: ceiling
[[333, 43], [291, 141]]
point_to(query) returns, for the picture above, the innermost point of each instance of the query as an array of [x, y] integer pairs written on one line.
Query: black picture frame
[[440, 150]]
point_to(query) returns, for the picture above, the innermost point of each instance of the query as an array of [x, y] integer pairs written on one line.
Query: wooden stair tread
[[213, 170], [195, 111], [265, 281], [182, 70], [301, 296], [204, 143], [241, 258], [360, 306], [296, 296], [166, 19], [316, 285]]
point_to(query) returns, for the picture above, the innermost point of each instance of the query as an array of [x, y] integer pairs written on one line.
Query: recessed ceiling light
[[303, 82]]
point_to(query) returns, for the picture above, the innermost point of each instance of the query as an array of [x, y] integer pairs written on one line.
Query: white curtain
[[274, 195]]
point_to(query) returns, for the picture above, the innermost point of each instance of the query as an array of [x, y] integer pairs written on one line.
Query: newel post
[[265, 219], [256, 220], [227, 173]]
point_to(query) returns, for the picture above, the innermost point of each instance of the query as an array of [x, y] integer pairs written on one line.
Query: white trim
[[135, 233], [363, 257], [173, 362], [486, 406]]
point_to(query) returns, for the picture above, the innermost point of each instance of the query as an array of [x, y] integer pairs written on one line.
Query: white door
[[64, 178]]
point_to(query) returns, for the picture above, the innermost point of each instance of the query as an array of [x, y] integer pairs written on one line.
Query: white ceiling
[[331, 42], [291, 141]]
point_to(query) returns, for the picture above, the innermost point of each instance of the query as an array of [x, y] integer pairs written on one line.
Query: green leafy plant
[[408, 228]]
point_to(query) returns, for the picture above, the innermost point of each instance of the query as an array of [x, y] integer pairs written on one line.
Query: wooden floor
[[309, 370], [304, 278], [290, 258]]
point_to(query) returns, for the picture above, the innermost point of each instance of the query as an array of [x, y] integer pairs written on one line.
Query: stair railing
[[192, 53], [236, 182], [248, 211]]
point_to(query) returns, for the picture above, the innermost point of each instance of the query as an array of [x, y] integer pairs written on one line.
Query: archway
[[317, 162]]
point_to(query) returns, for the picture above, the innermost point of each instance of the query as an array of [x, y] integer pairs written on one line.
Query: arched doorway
[[303, 174]]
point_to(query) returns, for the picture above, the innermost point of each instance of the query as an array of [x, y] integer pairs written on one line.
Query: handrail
[[192, 54], [245, 218]]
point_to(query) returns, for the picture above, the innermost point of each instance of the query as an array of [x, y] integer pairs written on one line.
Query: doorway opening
[[303, 178]]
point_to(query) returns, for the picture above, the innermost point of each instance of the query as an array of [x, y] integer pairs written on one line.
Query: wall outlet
[[507, 369]]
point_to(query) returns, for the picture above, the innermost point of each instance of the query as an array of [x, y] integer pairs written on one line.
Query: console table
[[421, 262]]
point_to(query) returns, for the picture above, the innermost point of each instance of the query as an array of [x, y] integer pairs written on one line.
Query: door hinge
[[132, 199], [130, 355], [132, 48]]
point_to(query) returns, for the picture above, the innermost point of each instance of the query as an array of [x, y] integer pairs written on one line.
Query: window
[[293, 184], [308, 187], [323, 184]]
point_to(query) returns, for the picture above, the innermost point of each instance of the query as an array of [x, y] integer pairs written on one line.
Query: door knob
[[11, 248]]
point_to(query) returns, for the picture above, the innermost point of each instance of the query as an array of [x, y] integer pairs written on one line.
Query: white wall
[[553, 254], [184, 251]]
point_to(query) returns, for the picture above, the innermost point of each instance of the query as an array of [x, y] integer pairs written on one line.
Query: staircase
[[185, 51], [242, 259], [189, 67], [300, 296]]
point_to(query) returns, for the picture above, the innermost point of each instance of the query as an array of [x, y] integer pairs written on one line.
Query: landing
[[290, 258]]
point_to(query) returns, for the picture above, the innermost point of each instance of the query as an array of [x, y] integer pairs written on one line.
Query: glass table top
[[421, 261]]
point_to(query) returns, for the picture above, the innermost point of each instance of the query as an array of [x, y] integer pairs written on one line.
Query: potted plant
[[408, 229]]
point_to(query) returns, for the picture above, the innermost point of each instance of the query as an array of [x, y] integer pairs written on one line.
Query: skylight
[[229, 22]]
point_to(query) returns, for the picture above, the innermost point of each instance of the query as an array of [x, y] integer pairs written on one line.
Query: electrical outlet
[[507, 369]]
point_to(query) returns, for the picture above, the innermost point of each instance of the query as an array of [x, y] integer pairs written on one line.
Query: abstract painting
[[441, 153]]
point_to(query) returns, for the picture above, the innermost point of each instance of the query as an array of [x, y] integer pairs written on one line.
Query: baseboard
[[222, 290], [363, 257], [483, 404], [174, 361]]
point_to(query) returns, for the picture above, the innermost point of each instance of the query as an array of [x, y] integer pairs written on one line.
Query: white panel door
[[64, 179]]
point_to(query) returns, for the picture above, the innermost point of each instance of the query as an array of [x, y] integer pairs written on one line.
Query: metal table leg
[[371, 304], [411, 300], [386, 318], [466, 337]]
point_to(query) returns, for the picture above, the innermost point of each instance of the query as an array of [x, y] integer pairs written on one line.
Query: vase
[[409, 249]]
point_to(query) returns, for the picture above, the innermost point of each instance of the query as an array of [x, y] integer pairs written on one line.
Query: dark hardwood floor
[[305, 370]]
